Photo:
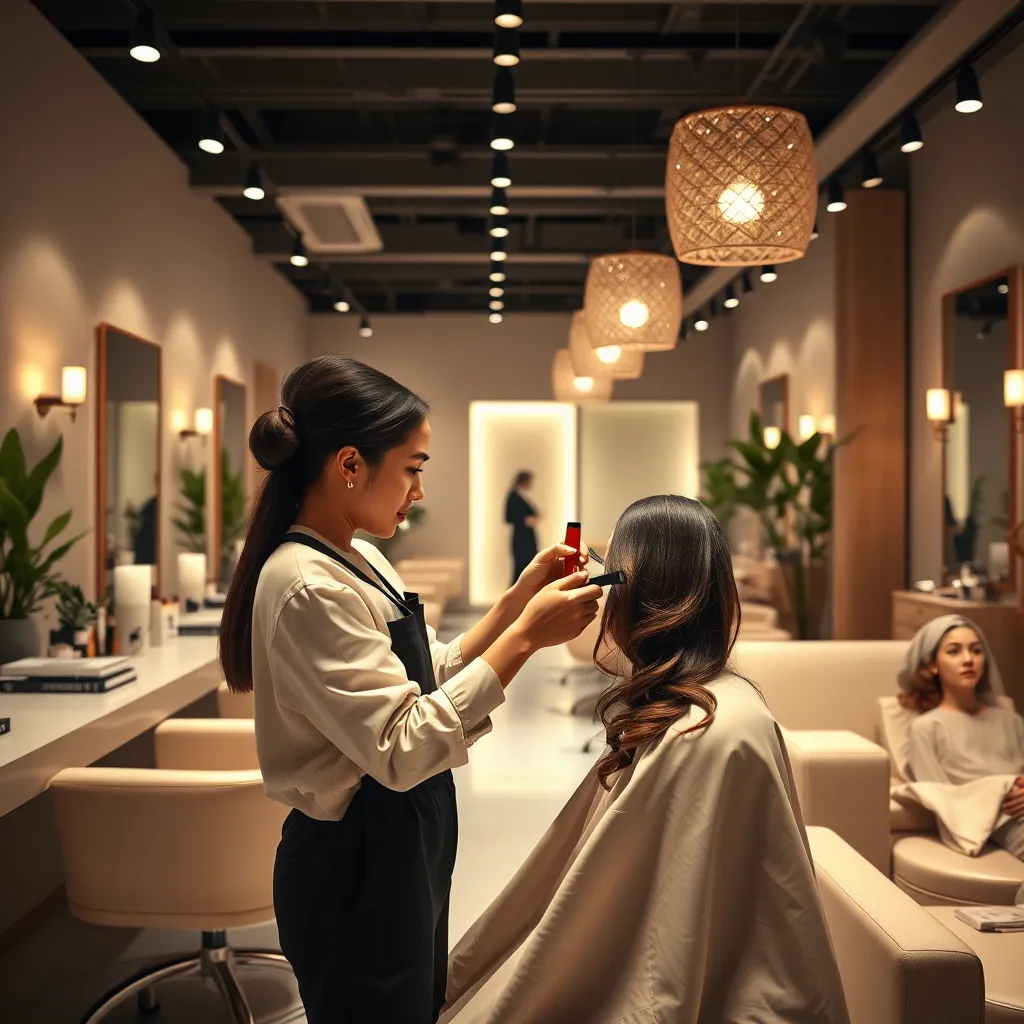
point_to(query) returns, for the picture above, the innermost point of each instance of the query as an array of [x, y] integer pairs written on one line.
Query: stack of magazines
[[993, 919], [201, 623], [65, 675]]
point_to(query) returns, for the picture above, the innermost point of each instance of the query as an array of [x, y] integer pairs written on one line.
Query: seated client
[[676, 884], [962, 735]]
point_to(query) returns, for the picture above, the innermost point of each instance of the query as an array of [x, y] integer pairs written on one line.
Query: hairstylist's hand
[[1013, 805], [546, 567], [560, 611]]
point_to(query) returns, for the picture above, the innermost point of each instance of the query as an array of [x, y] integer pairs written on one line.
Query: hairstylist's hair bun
[[273, 440]]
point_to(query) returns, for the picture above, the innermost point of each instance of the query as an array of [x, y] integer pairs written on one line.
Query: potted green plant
[[75, 615], [27, 573], [191, 523]]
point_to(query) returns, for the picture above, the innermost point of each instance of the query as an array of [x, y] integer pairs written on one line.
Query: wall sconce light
[[939, 406], [1013, 396], [772, 437], [72, 392], [808, 426], [828, 425], [202, 424]]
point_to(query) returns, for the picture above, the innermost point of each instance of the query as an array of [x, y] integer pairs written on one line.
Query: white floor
[[518, 778]]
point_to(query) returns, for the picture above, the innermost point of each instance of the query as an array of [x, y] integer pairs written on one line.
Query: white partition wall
[[629, 450], [505, 437]]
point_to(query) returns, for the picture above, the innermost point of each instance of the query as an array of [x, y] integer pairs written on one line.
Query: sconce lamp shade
[[808, 426], [939, 403], [72, 385], [1013, 389], [581, 390], [828, 425], [613, 361], [204, 421], [740, 186], [634, 300], [772, 437]]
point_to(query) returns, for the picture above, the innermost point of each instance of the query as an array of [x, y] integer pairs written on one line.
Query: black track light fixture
[[211, 139], [910, 134], [815, 233], [731, 298], [503, 96], [499, 252], [499, 202], [497, 275], [365, 328], [254, 183], [498, 227], [500, 177], [701, 323], [299, 256], [341, 304], [836, 198], [870, 175], [508, 13], [502, 139], [748, 285], [968, 91], [506, 47], [142, 42], [769, 274]]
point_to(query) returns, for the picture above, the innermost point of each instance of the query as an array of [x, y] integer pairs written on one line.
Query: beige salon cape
[[685, 894]]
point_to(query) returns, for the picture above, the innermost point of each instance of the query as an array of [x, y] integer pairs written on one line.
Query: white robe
[[685, 894]]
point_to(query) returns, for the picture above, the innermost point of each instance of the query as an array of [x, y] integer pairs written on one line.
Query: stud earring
[[350, 485]]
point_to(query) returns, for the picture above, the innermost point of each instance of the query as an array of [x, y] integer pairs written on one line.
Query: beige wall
[[452, 360], [99, 224], [966, 222]]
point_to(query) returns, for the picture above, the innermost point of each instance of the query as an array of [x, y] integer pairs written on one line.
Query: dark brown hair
[[675, 621], [328, 403], [925, 693], [524, 476]]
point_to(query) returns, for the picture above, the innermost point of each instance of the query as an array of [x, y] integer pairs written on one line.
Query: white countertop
[[54, 731]]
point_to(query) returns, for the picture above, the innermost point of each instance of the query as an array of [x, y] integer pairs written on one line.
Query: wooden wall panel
[[870, 531]]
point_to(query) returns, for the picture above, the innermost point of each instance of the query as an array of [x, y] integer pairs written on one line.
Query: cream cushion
[[233, 705], [934, 874], [898, 964], [1002, 957]]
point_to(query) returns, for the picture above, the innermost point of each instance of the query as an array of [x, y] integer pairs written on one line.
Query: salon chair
[[188, 846]]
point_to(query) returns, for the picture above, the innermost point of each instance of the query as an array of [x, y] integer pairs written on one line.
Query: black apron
[[362, 903]]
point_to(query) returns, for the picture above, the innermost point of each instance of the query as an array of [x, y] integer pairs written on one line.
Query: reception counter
[[54, 731]]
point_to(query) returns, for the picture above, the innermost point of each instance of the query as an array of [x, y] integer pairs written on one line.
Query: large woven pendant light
[[740, 186], [612, 361], [581, 390], [634, 300]]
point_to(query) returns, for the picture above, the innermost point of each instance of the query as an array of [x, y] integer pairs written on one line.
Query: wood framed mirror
[[982, 337], [230, 503], [773, 399], [129, 453]]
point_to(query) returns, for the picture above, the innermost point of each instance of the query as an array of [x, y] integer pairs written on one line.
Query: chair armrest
[[206, 744], [842, 781], [233, 705], [898, 964]]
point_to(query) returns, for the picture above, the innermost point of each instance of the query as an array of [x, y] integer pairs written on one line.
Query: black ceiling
[[392, 100]]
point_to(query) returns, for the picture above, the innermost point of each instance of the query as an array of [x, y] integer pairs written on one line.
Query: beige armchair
[[234, 705], [189, 845], [899, 965]]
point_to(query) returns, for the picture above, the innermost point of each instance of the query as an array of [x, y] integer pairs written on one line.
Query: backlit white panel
[[629, 450], [505, 437]]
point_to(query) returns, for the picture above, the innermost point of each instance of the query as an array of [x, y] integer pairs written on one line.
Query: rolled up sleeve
[[332, 665]]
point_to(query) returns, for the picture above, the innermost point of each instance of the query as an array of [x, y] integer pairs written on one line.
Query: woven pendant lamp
[[740, 186], [634, 300], [570, 388], [612, 361]]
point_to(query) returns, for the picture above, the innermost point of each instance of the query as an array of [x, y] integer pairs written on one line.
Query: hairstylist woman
[[360, 711]]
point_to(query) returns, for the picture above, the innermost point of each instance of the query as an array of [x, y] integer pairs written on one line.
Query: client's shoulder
[[741, 715]]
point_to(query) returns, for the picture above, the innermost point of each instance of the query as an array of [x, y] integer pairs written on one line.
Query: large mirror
[[774, 402], [979, 471], [231, 434], [128, 447]]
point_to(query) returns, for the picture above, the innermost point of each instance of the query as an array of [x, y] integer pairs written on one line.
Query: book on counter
[[65, 675], [993, 919], [202, 623]]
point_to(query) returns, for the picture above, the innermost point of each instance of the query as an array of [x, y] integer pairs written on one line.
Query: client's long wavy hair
[[675, 621]]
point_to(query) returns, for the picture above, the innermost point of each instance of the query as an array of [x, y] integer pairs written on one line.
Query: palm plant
[[191, 523]]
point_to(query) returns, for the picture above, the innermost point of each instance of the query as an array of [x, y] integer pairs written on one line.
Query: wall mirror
[[981, 340], [128, 453], [231, 437], [774, 402]]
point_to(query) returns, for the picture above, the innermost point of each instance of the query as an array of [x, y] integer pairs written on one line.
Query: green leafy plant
[[190, 524], [720, 489], [73, 610], [232, 509], [27, 573]]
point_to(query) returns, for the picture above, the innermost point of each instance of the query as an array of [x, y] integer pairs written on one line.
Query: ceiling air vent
[[331, 222]]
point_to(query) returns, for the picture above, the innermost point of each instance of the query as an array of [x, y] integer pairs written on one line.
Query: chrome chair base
[[216, 961]]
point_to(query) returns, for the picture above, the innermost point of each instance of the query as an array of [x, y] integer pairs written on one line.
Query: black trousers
[[362, 905]]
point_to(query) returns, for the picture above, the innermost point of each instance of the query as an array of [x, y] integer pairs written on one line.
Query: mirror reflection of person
[[677, 879], [962, 733], [145, 540], [522, 516]]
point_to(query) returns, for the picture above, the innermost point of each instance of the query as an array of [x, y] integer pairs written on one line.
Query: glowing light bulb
[[584, 384], [634, 314], [495, 318], [741, 203], [808, 426], [609, 353], [701, 324], [772, 437]]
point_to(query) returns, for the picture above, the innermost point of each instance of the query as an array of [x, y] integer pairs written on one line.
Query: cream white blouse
[[333, 701]]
